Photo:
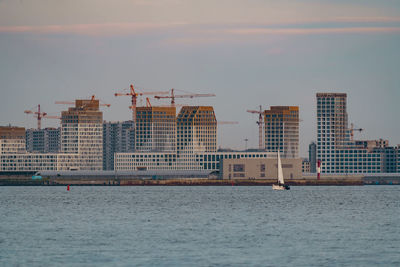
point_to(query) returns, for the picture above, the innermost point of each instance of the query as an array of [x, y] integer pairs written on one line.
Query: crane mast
[[134, 95], [260, 126], [40, 115]]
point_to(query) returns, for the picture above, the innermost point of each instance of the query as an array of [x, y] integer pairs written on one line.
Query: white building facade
[[81, 143], [336, 150], [174, 161]]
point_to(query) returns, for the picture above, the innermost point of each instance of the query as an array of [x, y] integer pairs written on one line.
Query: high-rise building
[[43, 140], [312, 157], [282, 130], [155, 129], [197, 129], [335, 148], [82, 133], [332, 125], [196, 139], [117, 137]]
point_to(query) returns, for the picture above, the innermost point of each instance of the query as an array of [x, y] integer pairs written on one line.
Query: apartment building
[[336, 150], [117, 137], [43, 140]]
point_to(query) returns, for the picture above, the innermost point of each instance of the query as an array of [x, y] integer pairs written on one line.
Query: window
[[238, 167], [262, 167]]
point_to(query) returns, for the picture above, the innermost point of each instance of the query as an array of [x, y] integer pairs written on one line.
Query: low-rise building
[[262, 168], [180, 161]]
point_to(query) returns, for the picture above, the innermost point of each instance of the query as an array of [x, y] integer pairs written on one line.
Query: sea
[[200, 226]]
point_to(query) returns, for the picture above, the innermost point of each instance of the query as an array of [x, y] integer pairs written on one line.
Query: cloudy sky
[[247, 52]]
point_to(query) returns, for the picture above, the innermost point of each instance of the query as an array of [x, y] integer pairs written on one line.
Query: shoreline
[[177, 182], [89, 180]]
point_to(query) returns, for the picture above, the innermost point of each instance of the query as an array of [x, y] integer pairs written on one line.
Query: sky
[[247, 52]]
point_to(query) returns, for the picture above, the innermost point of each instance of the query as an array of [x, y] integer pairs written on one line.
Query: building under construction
[[197, 129], [81, 143], [196, 138], [158, 139], [12, 140], [282, 130], [155, 129], [82, 133]]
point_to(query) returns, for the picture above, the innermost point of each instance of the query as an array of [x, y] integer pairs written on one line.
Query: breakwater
[[173, 182], [185, 179]]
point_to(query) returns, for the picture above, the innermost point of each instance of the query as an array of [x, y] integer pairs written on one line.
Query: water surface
[[200, 226]]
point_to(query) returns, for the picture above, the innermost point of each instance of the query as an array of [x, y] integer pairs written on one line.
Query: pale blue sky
[[247, 52]]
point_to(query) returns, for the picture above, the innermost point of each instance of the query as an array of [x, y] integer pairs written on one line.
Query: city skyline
[[246, 52]]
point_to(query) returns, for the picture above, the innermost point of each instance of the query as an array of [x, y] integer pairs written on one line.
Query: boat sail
[[281, 183]]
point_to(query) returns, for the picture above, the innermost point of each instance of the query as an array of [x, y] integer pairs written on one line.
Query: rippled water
[[200, 226]]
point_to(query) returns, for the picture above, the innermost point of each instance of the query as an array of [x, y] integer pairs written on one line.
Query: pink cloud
[[239, 34], [217, 32], [367, 19], [91, 29], [195, 40], [306, 31]]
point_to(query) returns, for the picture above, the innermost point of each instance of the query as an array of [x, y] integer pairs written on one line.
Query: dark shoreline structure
[[180, 178]]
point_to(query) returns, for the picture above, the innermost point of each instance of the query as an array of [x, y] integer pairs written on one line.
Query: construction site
[[180, 138]]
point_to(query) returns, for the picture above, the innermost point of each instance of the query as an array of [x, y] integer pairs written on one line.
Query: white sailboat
[[281, 183]]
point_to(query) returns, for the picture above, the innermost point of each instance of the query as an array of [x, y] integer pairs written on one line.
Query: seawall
[[173, 182], [191, 179]]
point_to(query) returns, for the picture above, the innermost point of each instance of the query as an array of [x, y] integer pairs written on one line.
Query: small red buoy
[[67, 187]]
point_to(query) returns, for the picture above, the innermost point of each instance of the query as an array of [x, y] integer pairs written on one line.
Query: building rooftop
[[331, 95], [12, 132]]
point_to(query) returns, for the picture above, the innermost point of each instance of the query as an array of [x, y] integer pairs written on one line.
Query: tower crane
[[173, 96], [92, 98], [100, 104], [40, 115], [260, 126], [134, 95], [148, 104], [352, 131]]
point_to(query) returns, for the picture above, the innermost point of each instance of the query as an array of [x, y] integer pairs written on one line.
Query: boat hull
[[280, 187]]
